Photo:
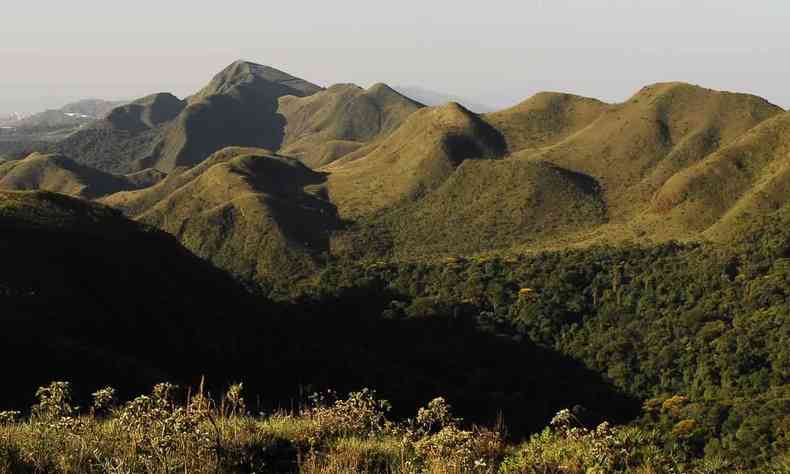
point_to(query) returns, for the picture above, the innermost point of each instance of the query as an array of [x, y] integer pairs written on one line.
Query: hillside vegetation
[[483, 206], [60, 174], [162, 432], [696, 333]]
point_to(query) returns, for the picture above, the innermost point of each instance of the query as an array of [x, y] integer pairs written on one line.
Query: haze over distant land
[[495, 53]]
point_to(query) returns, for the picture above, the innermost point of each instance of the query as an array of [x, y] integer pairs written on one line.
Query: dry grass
[[155, 433]]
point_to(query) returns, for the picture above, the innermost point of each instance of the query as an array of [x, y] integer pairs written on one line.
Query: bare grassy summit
[[332, 123], [415, 159], [635, 147]]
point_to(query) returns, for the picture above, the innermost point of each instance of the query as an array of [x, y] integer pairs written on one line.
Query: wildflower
[[103, 399], [8, 417]]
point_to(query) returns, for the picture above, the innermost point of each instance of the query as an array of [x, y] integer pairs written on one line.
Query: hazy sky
[[493, 52]]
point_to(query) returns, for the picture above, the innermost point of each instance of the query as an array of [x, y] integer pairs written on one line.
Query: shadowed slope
[[92, 297], [323, 127], [247, 211], [60, 174], [238, 108], [411, 161]]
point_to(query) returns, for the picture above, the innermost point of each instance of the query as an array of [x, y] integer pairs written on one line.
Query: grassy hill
[[747, 178], [483, 206], [570, 171], [634, 147], [238, 107], [409, 182], [60, 174], [545, 119], [415, 159], [256, 214], [325, 126], [246, 104]]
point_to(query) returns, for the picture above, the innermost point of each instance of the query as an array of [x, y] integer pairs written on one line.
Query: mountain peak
[[383, 90], [240, 73]]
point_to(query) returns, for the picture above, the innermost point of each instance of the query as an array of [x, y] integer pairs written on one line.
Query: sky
[[494, 52]]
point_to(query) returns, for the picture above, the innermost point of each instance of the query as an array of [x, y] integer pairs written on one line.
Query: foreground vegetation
[[170, 430]]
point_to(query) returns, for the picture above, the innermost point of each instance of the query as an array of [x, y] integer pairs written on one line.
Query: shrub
[[361, 414]]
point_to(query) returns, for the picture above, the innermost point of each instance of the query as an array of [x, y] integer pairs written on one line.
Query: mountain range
[[347, 172], [66, 118], [245, 223]]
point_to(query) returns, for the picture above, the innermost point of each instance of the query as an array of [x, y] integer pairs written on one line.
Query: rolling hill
[[58, 173], [747, 178], [238, 107], [545, 119], [561, 251], [332, 123], [634, 147], [415, 159], [483, 206], [256, 214], [391, 177], [556, 170], [247, 105]]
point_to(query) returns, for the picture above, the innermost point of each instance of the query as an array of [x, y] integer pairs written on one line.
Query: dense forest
[[702, 327]]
